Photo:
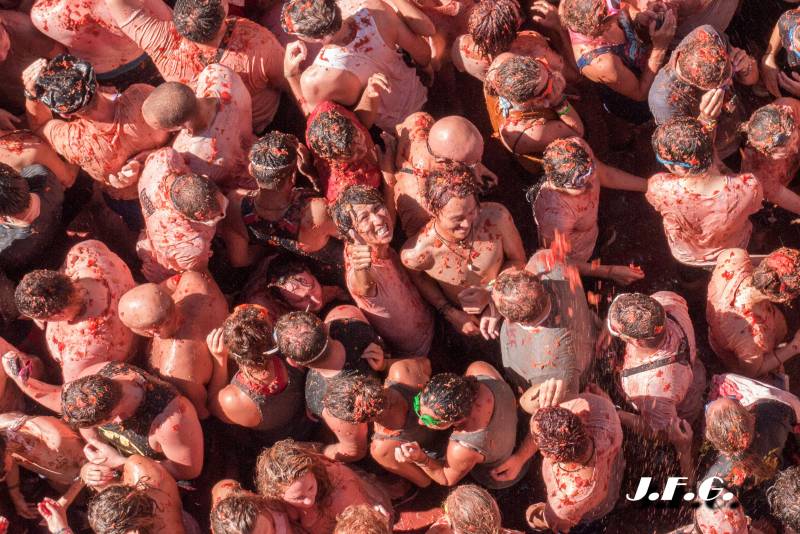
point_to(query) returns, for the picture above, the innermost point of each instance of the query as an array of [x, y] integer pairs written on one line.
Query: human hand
[[741, 62], [54, 514], [375, 356], [296, 53], [487, 178], [17, 367], [545, 15], [360, 256], [508, 470], [377, 85], [473, 300], [662, 37], [680, 433], [127, 175], [22, 507], [463, 322], [552, 392], [31, 74], [711, 105], [8, 121], [490, 322], [95, 475], [216, 345], [99, 453], [625, 274], [410, 453], [790, 84]]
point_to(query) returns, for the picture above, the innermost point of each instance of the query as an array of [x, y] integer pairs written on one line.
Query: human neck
[[206, 111], [265, 374], [132, 397], [273, 201], [345, 35], [102, 107], [446, 236]]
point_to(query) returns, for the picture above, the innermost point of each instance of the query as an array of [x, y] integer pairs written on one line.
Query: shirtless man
[[772, 153], [121, 410], [235, 510], [30, 215], [375, 277], [104, 128], [704, 209], [178, 314], [181, 211], [88, 31], [467, 244], [42, 444], [201, 33], [424, 144], [745, 325], [77, 309], [145, 497], [214, 122], [278, 214], [580, 440], [355, 49], [20, 149]]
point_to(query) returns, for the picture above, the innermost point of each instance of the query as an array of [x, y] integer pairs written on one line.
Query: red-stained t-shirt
[[699, 227], [102, 148], [170, 240], [220, 151], [252, 52], [101, 337]]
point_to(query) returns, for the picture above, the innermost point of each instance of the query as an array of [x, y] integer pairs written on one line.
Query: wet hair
[[450, 396], [449, 181], [332, 135], [493, 25], [778, 275], [584, 16], [301, 336], [89, 400], [784, 497], [284, 266], [471, 508], [314, 19], [703, 58], [15, 195], [684, 140], [355, 398], [273, 159], [247, 333], [518, 79], [637, 316], [120, 509], [66, 85], [565, 160], [279, 466], [172, 103], [194, 196], [361, 519], [560, 433], [198, 20], [342, 208], [520, 296], [43, 293], [730, 428], [238, 513], [769, 127]]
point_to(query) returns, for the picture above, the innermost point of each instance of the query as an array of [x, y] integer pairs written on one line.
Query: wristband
[[564, 109]]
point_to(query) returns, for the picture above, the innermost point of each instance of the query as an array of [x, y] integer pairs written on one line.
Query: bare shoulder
[[417, 252], [482, 369]]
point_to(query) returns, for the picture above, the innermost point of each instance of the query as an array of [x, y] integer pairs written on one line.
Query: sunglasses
[[427, 420]]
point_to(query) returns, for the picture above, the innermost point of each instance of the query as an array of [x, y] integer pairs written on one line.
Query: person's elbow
[[352, 451], [181, 471]]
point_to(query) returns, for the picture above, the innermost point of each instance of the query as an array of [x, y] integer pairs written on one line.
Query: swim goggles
[[427, 420]]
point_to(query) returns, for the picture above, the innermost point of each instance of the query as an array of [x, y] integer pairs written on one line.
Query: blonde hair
[[361, 519], [472, 509]]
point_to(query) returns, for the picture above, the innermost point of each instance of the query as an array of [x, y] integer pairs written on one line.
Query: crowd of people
[[252, 281]]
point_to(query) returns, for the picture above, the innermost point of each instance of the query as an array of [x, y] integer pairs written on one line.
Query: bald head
[[169, 106], [146, 308], [457, 139]]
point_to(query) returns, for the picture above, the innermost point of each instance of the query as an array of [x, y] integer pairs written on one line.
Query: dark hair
[[769, 127], [279, 466], [493, 25], [584, 16], [66, 85], [311, 18], [518, 78], [684, 140], [194, 196], [14, 191], [564, 160], [238, 513], [560, 433], [332, 135], [89, 400], [784, 497], [342, 208], [450, 396], [778, 275], [283, 266], [355, 397], [119, 509], [301, 336], [449, 181], [43, 293], [520, 296], [703, 58], [361, 519], [198, 20], [247, 333], [637, 316], [273, 159], [172, 103]]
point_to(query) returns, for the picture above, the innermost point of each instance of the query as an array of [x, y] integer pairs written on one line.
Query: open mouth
[[382, 231]]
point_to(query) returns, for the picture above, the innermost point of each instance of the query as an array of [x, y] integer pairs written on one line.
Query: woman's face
[[302, 493], [302, 292]]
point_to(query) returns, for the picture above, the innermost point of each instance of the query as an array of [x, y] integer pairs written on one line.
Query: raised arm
[[614, 178], [414, 17]]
